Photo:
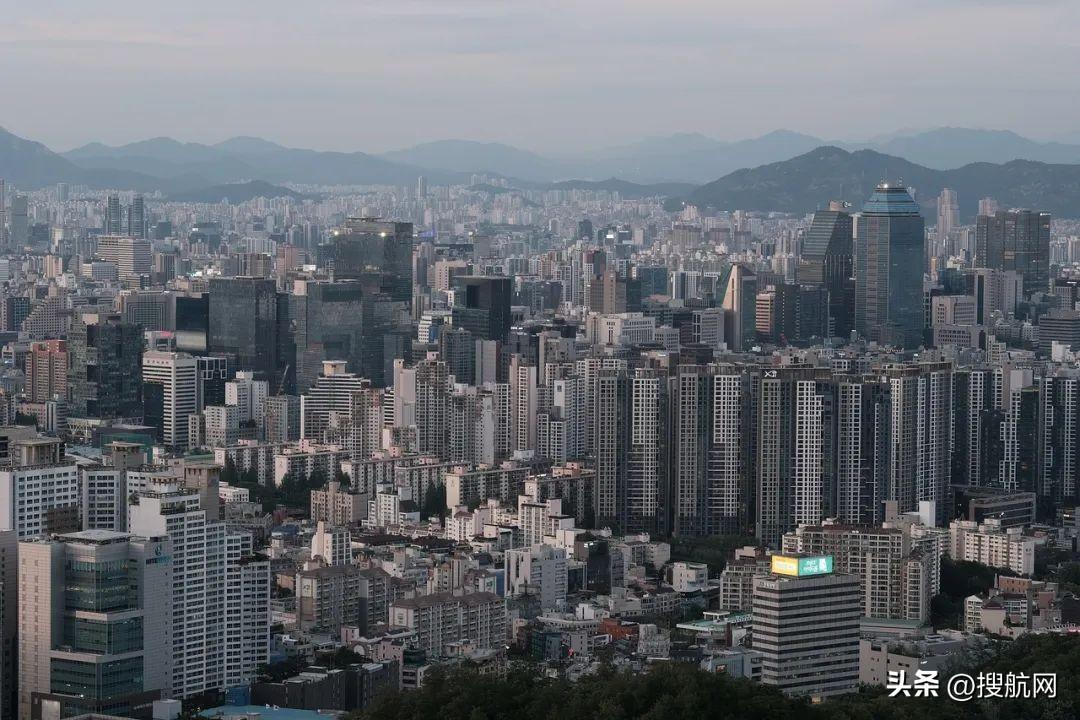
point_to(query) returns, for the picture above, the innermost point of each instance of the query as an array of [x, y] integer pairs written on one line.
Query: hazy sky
[[542, 74]]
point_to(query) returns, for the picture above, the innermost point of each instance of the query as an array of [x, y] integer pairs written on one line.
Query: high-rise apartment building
[[647, 468], [329, 400], [791, 423], [708, 493], [918, 447], [39, 490], [1059, 434], [282, 418], [220, 626], [47, 371], [432, 406], [889, 268], [611, 438]]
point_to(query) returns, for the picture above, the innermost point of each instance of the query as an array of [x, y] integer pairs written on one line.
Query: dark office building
[[15, 311], [153, 394], [105, 372], [214, 372], [161, 230], [207, 232], [192, 322], [889, 268], [1016, 240], [378, 253], [539, 295], [136, 219], [482, 306], [585, 230], [243, 324], [653, 279], [800, 314], [327, 320], [114, 224], [319, 688], [827, 260]]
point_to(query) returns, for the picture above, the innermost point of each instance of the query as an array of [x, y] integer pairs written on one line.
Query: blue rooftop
[[891, 200], [265, 713]]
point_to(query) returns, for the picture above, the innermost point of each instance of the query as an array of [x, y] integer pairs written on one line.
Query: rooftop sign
[[794, 566]]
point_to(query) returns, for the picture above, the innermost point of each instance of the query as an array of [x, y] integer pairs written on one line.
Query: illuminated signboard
[[802, 566]]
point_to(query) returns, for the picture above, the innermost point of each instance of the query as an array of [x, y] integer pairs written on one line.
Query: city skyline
[[543, 78], [732, 396]]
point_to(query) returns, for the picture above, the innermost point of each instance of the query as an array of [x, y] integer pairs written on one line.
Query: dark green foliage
[[714, 551], [1068, 574], [959, 579], [434, 502], [282, 670], [672, 691]]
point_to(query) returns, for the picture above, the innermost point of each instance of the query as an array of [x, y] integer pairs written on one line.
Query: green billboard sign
[[821, 565]]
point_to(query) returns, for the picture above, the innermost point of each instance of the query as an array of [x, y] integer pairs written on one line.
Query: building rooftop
[[426, 601], [94, 537], [262, 712], [889, 199]]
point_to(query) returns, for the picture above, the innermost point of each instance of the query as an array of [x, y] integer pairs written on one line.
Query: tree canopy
[[674, 691]]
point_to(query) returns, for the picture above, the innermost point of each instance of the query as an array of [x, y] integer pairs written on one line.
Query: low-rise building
[[442, 619], [992, 544]]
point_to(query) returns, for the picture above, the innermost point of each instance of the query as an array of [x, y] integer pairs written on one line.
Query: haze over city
[[553, 77]]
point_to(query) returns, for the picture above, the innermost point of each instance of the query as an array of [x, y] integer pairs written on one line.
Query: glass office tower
[[889, 268]]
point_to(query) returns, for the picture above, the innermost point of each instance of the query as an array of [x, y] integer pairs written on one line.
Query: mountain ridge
[[803, 183]]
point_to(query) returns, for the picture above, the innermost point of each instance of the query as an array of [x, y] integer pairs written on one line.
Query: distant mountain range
[[809, 181], [781, 170], [696, 158], [245, 158]]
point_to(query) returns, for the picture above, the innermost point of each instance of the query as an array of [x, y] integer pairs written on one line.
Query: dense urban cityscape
[[774, 428]]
